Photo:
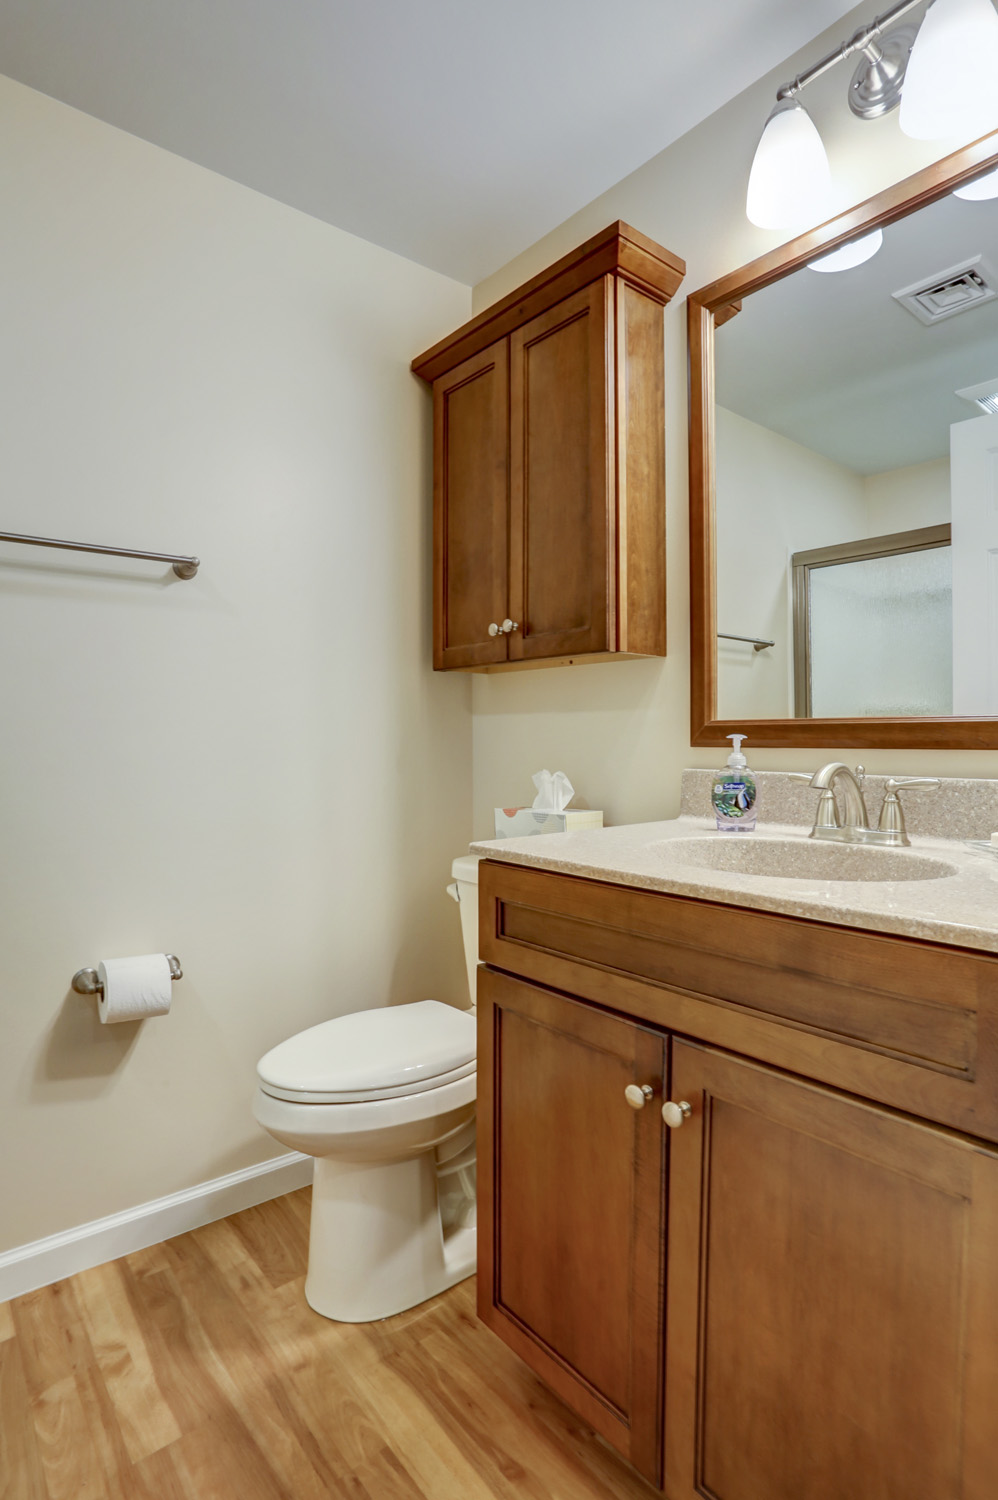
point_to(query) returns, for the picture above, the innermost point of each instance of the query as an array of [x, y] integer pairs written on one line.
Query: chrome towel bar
[[184, 567], [750, 639]]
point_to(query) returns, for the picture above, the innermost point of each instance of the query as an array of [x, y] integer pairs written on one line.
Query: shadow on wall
[[418, 944], [628, 685], [81, 1051]]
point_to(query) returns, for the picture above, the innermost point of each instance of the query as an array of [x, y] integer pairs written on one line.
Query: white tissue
[[554, 791], [134, 988]]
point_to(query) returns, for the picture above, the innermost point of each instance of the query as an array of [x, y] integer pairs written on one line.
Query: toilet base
[[377, 1245]]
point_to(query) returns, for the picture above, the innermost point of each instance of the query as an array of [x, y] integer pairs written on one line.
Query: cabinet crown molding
[[618, 250]]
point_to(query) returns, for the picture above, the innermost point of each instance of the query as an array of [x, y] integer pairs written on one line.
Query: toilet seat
[[368, 1055]]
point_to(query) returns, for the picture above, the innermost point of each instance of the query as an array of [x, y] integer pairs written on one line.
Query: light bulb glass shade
[[951, 85], [980, 188], [790, 185], [852, 254]]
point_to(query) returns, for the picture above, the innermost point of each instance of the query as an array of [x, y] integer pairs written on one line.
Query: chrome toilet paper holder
[[87, 982]]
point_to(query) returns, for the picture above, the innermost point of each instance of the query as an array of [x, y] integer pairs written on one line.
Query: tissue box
[[519, 822]]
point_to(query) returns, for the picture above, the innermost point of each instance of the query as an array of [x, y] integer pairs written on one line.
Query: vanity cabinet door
[[561, 480], [570, 1204], [833, 1296], [471, 510]]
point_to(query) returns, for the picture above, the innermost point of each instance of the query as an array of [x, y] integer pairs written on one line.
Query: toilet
[[384, 1100]]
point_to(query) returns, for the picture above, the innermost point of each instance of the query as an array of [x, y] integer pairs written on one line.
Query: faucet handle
[[891, 814], [799, 776]]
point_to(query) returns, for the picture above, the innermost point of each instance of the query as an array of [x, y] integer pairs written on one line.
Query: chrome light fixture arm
[[876, 87]]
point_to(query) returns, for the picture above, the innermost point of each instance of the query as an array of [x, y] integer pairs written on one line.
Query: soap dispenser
[[733, 792]]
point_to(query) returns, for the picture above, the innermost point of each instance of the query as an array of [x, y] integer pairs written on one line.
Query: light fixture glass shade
[[852, 254], [790, 185], [980, 188], [951, 85]]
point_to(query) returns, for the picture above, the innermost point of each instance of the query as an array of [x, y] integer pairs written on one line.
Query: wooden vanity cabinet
[[571, 1234], [794, 1293], [549, 466], [832, 1295]]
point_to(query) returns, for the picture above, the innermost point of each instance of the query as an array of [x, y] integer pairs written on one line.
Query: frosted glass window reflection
[[881, 636]]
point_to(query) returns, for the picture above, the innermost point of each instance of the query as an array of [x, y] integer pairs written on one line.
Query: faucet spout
[[837, 774]]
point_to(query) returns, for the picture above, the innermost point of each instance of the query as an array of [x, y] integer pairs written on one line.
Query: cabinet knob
[[675, 1114], [638, 1094], [506, 628]]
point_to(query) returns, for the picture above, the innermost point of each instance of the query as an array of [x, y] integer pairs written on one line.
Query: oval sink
[[799, 859]]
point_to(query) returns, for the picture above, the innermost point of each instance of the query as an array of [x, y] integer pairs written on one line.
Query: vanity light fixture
[[943, 75], [951, 87], [790, 185]]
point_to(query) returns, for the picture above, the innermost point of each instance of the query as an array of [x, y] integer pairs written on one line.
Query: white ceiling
[[455, 132]]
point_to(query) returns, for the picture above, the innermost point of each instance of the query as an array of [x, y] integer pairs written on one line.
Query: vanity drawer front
[[907, 1022]]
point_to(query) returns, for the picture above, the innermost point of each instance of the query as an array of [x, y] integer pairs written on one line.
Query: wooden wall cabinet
[[549, 465], [794, 1293]]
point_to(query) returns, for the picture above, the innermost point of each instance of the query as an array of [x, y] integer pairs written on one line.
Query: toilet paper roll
[[134, 987]]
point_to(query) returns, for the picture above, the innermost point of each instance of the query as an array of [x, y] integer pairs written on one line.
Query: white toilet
[[385, 1101]]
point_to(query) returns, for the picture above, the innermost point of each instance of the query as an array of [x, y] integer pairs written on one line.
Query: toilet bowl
[[384, 1100]]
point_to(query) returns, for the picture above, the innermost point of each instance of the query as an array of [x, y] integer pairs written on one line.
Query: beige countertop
[[957, 904]]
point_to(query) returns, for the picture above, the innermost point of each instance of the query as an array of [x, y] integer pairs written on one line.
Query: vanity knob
[[506, 628], [674, 1114], [638, 1094]]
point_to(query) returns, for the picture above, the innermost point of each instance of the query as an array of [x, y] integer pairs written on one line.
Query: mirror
[[844, 481]]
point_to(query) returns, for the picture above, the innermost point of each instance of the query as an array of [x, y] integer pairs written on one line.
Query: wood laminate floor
[[196, 1371]]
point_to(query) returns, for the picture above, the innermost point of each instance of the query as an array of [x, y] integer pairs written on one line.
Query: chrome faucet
[[855, 817], [854, 825]]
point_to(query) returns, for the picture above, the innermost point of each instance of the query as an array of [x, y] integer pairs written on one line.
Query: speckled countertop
[[953, 900]]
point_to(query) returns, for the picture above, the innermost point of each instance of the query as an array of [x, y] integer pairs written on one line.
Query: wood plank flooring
[[196, 1371]]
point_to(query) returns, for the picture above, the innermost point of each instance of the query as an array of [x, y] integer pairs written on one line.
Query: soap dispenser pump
[[733, 793]]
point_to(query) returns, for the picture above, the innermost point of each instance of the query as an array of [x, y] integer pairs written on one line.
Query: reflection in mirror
[[873, 626], [850, 406]]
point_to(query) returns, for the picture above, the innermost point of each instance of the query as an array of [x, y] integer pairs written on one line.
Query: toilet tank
[[465, 891]]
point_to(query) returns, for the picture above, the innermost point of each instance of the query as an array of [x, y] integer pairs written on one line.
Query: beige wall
[[256, 770], [621, 731], [904, 499], [774, 498]]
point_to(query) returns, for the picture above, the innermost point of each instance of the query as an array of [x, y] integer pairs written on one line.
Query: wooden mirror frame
[[707, 310]]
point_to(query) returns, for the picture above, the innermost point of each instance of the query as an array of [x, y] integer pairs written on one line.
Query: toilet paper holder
[[86, 981]]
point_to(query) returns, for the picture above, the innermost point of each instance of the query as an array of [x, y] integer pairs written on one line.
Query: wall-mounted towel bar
[[184, 567], [752, 640]]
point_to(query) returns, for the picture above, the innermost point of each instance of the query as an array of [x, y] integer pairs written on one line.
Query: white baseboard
[[28, 1267]]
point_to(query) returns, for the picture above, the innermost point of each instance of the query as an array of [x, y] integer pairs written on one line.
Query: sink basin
[[800, 859]]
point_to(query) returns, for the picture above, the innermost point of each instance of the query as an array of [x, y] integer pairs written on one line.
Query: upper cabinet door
[[561, 478], [471, 510]]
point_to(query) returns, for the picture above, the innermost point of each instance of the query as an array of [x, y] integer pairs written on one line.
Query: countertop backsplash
[[960, 809]]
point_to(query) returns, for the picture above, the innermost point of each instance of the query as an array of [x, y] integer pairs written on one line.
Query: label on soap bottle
[[733, 797]]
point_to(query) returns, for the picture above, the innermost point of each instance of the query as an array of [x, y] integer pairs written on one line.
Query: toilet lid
[[372, 1054]]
